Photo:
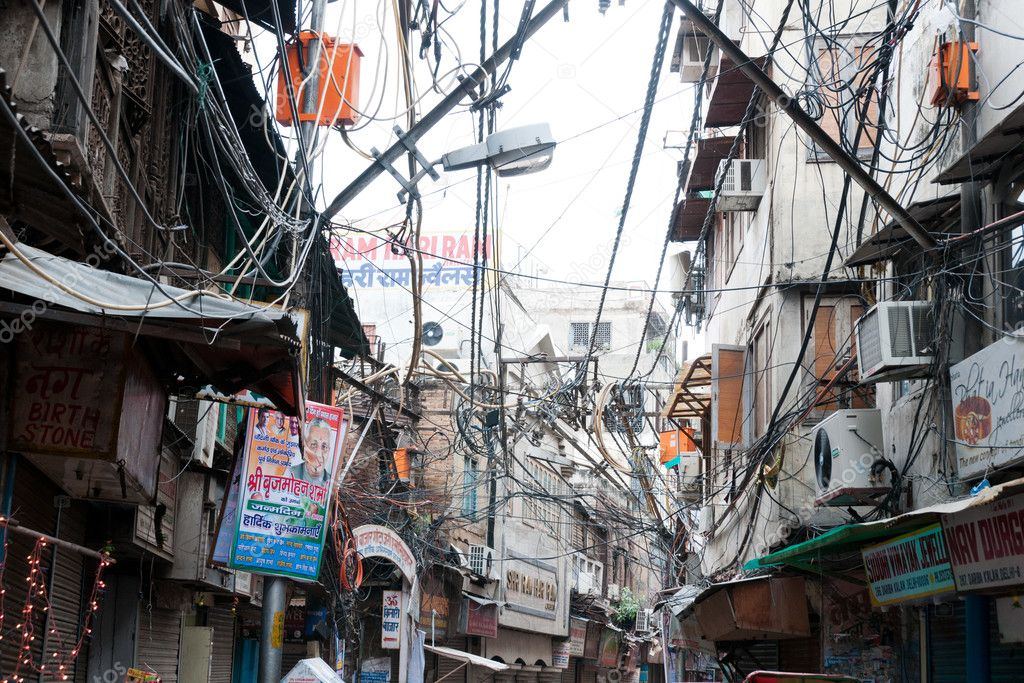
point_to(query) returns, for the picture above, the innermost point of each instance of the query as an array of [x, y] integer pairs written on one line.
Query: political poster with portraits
[[285, 487]]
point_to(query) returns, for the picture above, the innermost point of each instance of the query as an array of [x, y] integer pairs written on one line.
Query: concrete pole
[[272, 632]]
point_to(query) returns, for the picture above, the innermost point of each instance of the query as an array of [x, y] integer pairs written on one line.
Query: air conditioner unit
[[481, 561], [706, 522], [743, 184], [895, 340], [613, 591], [644, 621], [691, 51], [845, 446]]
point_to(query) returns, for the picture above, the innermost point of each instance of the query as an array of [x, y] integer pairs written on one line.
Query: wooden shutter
[[836, 67], [728, 396]]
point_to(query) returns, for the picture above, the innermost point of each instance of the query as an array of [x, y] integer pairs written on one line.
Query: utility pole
[[808, 125], [275, 588]]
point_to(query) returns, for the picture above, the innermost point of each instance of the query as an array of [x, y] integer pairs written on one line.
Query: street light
[[517, 151], [512, 152]]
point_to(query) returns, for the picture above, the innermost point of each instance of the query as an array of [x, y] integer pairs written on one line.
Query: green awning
[[854, 536], [833, 540]]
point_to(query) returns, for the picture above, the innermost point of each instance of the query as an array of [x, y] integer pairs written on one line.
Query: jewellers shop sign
[[986, 544], [988, 407], [909, 567]]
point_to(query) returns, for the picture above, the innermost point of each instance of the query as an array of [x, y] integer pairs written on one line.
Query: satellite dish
[[432, 334], [823, 458]]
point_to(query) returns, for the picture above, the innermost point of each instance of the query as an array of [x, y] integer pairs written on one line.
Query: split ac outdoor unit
[[481, 561], [895, 340], [845, 446], [743, 185]]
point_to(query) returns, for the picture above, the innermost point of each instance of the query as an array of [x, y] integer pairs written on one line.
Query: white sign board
[[988, 407], [986, 544], [391, 620]]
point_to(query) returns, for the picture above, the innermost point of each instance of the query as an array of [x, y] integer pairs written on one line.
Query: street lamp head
[[512, 152]]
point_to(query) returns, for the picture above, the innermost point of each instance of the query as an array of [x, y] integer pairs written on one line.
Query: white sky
[[589, 74]]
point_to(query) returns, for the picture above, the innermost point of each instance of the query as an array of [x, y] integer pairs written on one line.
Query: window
[[470, 481], [540, 500], [579, 336], [761, 355], [842, 89], [834, 343]]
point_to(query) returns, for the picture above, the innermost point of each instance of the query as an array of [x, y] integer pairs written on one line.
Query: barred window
[[579, 336]]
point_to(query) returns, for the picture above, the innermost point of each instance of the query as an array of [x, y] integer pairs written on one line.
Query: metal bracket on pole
[[408, 186]]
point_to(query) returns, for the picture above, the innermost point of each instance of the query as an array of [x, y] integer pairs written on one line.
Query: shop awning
[[1003, 145], [730, 96], [691, 396], [688, 218], [704, 169], [483, 602], [466, 658], [853, 536], [937, 216], [195, 339]]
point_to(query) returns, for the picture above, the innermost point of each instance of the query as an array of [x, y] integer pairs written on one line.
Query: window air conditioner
[[613, 591], [743, 185], [845, 446], [481, 561], [692, 47], [644, 621], [586, 583], [895, 340]]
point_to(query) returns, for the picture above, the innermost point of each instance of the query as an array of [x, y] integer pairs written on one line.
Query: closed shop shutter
[[588, 673], [160, 641], [222, 620], [800, 654], [444, 666], [33, 507], [946, 643], [291, 655], [751, 656]]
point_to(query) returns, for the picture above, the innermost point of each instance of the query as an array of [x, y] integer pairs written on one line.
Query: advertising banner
[[577, 636], [285, 491], [988, 422], [611, 641], [986, 544], [909, 567], [560, 654]]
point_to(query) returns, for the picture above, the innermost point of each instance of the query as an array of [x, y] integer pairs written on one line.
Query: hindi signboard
[[391, 620], [577, 636], [285, 491], [909, 567], [371, 262], [986, 544], [988, 407], [560, 653]]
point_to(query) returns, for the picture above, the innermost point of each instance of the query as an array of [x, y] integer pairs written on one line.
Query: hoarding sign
[[577, 637], [560, 654], [285, 491], [986, 544], [611, 641], [909, 567], [375, 670], [479, 620], [531, 587], [391, 620], [370, 262], [373, 540], [988, 422]]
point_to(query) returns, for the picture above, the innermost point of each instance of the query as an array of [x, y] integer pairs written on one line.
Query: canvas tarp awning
[[802, 555], [466, 658], [192, 339]]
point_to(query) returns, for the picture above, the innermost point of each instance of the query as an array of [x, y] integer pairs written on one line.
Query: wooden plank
[[728, 375]]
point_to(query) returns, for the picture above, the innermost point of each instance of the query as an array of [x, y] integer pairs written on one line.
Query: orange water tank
[[339, 76], [953, 73]]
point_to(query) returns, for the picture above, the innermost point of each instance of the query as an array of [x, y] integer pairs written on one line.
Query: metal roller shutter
[[444, 666], [34, 508], [160, 642], [948, 656], [222, 619]]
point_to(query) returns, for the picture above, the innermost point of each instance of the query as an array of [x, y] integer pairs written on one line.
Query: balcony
[[731, 95]]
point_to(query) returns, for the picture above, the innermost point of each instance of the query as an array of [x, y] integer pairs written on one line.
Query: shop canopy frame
[[691, 396]]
